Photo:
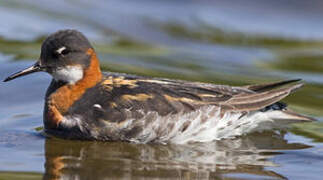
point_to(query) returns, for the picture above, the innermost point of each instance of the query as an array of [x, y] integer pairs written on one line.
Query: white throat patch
[[69, 74]]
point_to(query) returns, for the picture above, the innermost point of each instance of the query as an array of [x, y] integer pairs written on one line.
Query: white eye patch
[[60, 50], [69, 74]]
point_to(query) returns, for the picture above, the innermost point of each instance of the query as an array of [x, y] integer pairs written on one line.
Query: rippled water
[[220, 42]]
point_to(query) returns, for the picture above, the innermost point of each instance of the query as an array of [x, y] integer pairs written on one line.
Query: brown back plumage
[[165, 96]]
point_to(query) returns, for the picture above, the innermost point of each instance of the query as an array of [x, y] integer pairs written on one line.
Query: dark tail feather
[[299, 116], [289, 116], [281, 112]]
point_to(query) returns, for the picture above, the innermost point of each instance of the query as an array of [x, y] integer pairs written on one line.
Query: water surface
[[211, 41]]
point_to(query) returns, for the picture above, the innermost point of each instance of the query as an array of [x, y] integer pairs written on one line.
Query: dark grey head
[[66, 47], [64, 55]]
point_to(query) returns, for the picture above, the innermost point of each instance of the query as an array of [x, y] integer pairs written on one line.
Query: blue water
[[213, 41]]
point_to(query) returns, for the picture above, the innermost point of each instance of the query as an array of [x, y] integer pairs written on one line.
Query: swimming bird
[[83, 103]]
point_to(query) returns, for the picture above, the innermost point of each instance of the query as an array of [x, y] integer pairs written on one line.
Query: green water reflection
[[80, 160]]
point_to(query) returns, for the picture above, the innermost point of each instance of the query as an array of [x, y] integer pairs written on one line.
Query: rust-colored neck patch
[[64, 97]]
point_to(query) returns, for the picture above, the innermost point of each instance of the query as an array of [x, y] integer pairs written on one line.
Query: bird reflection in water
[[248, 155]]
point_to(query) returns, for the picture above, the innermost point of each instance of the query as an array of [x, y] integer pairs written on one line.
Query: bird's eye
[[62, 51], [65, 52]]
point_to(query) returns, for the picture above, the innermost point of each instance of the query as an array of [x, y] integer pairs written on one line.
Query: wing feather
[[257, 101], [269, 86], [140, 94]]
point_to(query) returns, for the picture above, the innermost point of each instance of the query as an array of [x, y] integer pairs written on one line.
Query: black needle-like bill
[[34, 68]]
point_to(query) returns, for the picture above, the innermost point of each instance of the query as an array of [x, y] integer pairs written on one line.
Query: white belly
[[203, 125]]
